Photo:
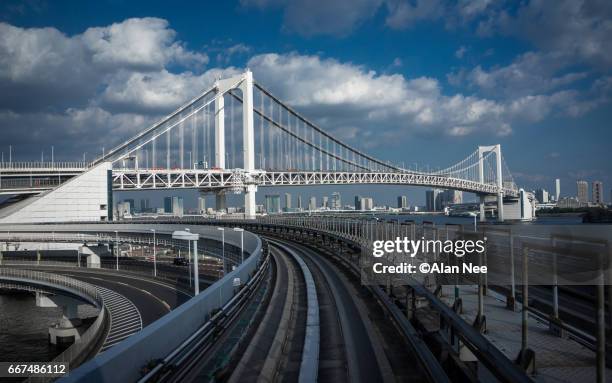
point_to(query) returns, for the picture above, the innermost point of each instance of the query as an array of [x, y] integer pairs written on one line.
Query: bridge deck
[[575, 363]]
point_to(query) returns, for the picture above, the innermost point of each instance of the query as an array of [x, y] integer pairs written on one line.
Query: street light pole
[[154, 254], [241, 231], [196, 270], [185, 235], [222, 246], [117, 249]]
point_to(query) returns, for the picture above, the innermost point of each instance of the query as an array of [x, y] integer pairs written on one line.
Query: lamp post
[[222, 246], [117, 250], [472, 214], [188, 257], [154, 254], [187, 236], [241, 231]]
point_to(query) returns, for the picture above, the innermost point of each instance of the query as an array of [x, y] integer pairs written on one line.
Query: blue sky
[[408, 81]]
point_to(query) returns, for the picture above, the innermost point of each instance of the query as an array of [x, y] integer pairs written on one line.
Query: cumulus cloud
[[344, 96]]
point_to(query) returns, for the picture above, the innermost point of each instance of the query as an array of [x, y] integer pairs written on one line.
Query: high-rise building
[[336, 201], [273, 203], [541, 196], [177, 206], [402, 202], [287, 201], [168, 205], [432, 200], [144, 205], [299, 202], [357, 202], [582, 191], [598, 192], [132, 204], [449, 197], [325, 202], [366, 203], [202, 205], [557, 189], [313, 203]]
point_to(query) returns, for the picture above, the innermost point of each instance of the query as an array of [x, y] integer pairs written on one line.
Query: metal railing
[[56, 165]]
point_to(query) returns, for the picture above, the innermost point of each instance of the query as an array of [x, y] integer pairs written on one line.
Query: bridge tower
[[244, 82], [496, 149]]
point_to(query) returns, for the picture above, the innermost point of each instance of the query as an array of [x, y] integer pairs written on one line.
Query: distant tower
[[325, 202], [583, 191], [402, 202], [598, 192], [557, 189], [287, 201], [357, 202], [299, 202], [313, 203]]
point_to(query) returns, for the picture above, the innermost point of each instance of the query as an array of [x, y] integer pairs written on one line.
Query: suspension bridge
[[237, 136]]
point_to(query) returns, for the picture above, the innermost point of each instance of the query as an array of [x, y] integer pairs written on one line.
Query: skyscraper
[[325, 203], [432, 199], [541, 196], [367, 203], [177, 206], [402, 202], [273, 203], [299, 202], [287, 201], [144, 205], [598, 192], [583, 191], [357, 202], [313, 203], [168, 205], [557, 189], [202, 205], [336, 201]]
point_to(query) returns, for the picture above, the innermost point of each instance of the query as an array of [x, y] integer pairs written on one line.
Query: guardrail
[[75, 354], [61, 165], [209, 332], [121, 362]]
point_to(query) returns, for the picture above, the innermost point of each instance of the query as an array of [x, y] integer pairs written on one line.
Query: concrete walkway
[[556, 359]]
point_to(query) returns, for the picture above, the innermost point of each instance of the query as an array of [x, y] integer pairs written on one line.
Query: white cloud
[[141, 43], [459, 53], [403, 14], [342, 95]]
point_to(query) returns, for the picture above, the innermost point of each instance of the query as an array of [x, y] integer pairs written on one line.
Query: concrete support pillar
[[482, 208], [500, 207], [250, 206]]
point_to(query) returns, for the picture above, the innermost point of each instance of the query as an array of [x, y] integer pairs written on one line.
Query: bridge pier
[[483, 217], [250, 205], [65, 331], [500, 207]]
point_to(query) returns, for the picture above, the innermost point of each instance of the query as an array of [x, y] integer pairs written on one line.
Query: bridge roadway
[[353, 341]]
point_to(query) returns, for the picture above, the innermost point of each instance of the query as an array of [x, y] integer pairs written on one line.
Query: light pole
[[117, 249], [154, 254], [189, 256], [241, 231], [222, 246], [185, 235], [472, 214]]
